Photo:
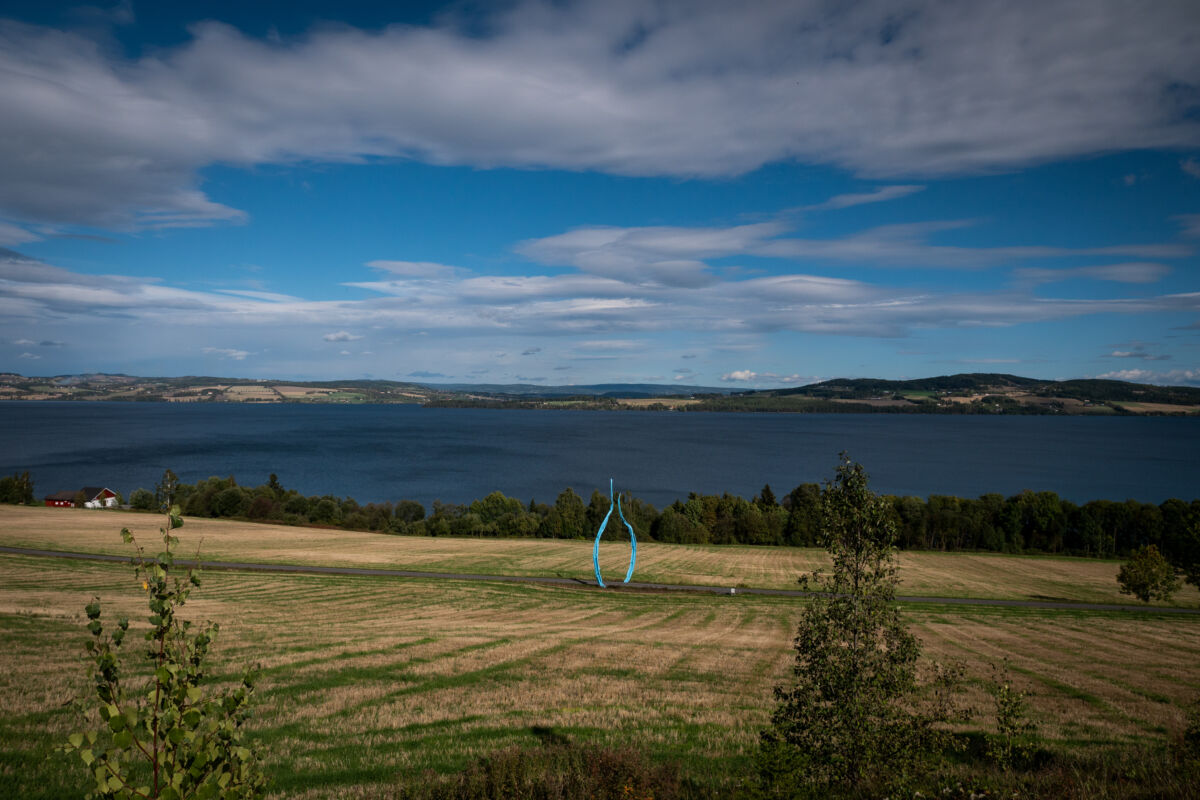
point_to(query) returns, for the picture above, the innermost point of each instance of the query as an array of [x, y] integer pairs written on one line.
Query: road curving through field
[[310, 569]]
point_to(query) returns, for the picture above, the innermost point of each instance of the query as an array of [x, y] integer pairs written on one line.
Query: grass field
[[977, 575], [367, 681]]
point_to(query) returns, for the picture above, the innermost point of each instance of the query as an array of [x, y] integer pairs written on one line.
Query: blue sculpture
[[599, 533]]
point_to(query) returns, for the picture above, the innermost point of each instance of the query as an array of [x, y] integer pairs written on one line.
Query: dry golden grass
[[366, 678], [974, 575], [251, 393], [669, 402], [301, 391], [1160, 408]]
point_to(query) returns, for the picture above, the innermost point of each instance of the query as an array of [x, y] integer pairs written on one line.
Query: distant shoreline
[[972, 394]]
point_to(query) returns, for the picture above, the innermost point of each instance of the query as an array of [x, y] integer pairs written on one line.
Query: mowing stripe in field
[[632, 586]]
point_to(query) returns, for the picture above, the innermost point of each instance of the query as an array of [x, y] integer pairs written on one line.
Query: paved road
[[633, 586]]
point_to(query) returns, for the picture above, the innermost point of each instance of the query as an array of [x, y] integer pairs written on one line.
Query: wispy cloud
[[1133, 272], [1140, 350], [1175, 377], [619, 88], [750, 376], [679, 256], [12, 234], [341, 336], [1191, 166], [414, 269], [226, 352], [1137, 354], [601, 315], [1190, 223], [880, 195]]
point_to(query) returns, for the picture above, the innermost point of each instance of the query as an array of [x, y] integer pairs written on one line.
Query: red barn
[[61, 499]]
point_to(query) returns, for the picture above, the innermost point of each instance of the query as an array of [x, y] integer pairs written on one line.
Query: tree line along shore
[[1027, 523]]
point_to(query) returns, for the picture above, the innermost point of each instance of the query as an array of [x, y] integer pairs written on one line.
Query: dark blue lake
[[378, 453]]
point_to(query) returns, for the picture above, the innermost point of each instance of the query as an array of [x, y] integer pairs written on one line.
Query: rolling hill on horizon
[[958, 393]]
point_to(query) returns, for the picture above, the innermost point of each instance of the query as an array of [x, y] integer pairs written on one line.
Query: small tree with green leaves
[[166, 489], [167, 736], [853, 717], [1148, 576], [1015, 739]]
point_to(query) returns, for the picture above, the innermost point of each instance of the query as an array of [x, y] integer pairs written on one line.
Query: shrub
[[554, 771], [142, 500], [1015, 740]]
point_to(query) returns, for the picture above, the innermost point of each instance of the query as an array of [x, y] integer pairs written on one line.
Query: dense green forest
[[1029, 522]]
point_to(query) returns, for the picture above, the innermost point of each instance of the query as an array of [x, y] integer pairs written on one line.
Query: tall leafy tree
[[849, 718]]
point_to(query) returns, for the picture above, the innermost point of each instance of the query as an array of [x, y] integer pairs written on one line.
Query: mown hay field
[[971, 575], [371, 681]]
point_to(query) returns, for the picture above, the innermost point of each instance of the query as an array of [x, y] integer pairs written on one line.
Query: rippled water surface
[[377, 453]]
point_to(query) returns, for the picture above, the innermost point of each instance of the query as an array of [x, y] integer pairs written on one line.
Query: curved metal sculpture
[[599, 533]]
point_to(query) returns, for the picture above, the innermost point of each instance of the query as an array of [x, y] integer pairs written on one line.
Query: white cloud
[[30, 356], [879, 195], [24, 342], [225, 352], [1175, 377], [1137, 350], [610, 85], [1191, 166], [750, 376], [341, 336]]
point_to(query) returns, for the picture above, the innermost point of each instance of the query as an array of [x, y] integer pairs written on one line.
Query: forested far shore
[[1028, 522]]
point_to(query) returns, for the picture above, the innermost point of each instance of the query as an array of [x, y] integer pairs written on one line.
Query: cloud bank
[[919, 88]]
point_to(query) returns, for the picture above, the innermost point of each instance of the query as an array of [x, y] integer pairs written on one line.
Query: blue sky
[[744, 195]]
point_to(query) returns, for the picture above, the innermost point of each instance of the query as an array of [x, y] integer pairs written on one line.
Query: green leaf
[[88, 756], [126, 536], [76, 740], [93, 609], [123, 739], [116, 723]]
